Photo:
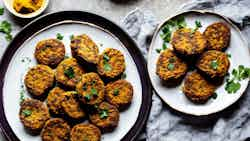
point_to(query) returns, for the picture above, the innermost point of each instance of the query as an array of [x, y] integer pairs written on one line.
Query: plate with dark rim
[[174, 96], [19, 57]]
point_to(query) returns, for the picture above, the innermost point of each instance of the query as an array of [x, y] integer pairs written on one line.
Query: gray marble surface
[[165, 124]]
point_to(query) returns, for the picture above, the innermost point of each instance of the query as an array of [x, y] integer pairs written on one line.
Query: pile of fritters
[[85, 86], [202, 53]]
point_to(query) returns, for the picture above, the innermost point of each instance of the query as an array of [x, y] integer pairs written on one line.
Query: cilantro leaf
[[158, 50], [26, 113], [123, 76], [69, 72], [106, 57], [59, 36], [232, 87], [198, 24], [87, 97], [1, 11], [214, 96], [103, 113], [214, 64], [93, 91], [170, 66], [116, 92], [107, 67]]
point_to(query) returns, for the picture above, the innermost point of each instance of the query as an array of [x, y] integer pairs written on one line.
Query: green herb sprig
[[26, 113], [197, 26], [1, 11], [5, 27], [233, 85], [69, 72], [107, 67], [59, 36], [103, 113]]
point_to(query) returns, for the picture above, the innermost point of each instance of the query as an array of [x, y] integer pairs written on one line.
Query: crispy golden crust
[[71, 106], [85, 132], [218, 36], [90, 89], [114, 59], [64, 75], [205, 63], [105, 123], [50, 52], [197, 89], [55, 129], [168, 57], [187, 43], [119, 93], [54, 99], [84, 47], [33, 114], [39, 79]]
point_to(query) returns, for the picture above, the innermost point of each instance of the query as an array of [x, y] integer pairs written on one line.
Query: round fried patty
[[33, 114], [55, 129], [39, 79], [50, 52], [71, 106], [85, 48], [90, 89], [218, 36], [106, 117], [85, 132], [54, 100], [69, 72], [119, 93], [197, 88], [111, 63], [187, 42], [169, 66], [214, 63]]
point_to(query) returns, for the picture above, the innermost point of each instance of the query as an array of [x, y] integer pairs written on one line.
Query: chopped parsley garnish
[[87, 97], [197, 26], [59, 36], [233, 85], [116, 92], [123, 76], [93, 92], [103, 113], [69, 72], [158, 50], [106, 57], [5, 27], [170, 27], [26, 113], [107, 67], [1, 11], [229, 55], [214, 96], [71, 37], [214, 64], [170, 66]]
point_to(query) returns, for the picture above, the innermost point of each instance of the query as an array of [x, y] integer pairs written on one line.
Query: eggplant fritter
[[85, 132]]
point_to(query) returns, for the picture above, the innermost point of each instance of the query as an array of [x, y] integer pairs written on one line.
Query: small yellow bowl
[[9, 5]]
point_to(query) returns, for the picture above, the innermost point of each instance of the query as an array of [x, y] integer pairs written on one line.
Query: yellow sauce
[[27, 6]]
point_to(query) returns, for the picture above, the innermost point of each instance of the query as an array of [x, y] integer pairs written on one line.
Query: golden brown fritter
[[218, 36], [111, 63], [197, 88], [187, 43], [169, 66], [54, 100], [55, 129], [90, 89], [50, 52], [71, 106], [119, 93], [33, 114], [214, 63], [69, 72], [85, 132], [106, 117], [85, 48], [39, 79]]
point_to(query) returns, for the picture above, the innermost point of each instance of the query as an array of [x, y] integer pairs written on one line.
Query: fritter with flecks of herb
[[106, 117], [90, 89], [214, 63], [119, 93], [54, 100], [85, 132], [69, 72], [33, 114], [111, 63]]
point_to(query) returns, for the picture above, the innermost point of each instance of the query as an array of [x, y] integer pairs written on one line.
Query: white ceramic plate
[[131, 120], [174, 97]]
